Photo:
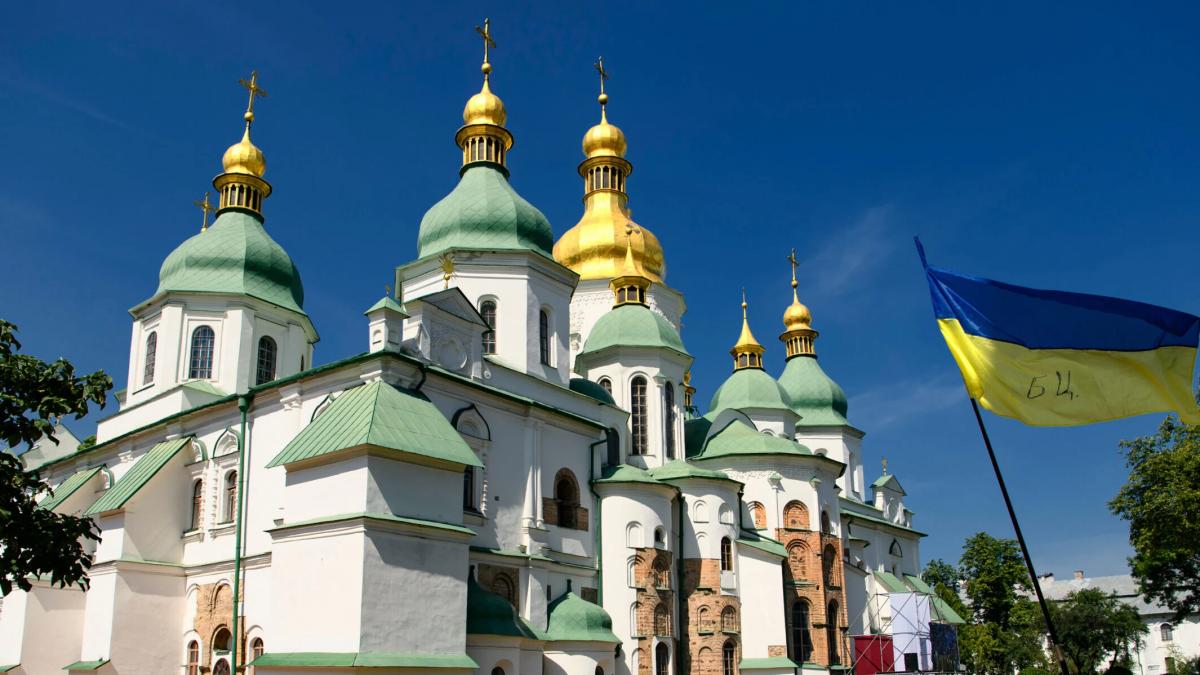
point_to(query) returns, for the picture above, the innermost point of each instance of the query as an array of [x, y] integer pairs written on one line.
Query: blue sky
[[1047, 146]]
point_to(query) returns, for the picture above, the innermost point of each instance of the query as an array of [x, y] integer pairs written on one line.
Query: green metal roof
[[889, 481], [890, 582], [762, 543], [234, 256], [87, 665], [484, 212], [866, 515], [633, 325], [5, 669], [382, 517], [694, 432], [737, 438], [944, 613], [682, 469], [625, 473], [365, 660], [767, 663], [138, 475], [749, 388], [379, 415], [386, 302], [490, 614], [575, 619], [813, 395], [67, 488], [586, 387]]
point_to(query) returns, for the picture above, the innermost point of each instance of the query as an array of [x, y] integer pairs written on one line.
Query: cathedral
[[513, 477]]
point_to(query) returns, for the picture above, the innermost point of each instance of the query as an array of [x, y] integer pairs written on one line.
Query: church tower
[[750, 389], [595, 248], [229, 310]]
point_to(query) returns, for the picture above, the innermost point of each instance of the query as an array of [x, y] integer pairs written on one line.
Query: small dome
[[490, 614], [604, 140], [235, 256], [244, 157], [633, 326], [571, 618], [813, 395], [797, 316], [483, 212], [586, 387], [485, 108], [749, 388]]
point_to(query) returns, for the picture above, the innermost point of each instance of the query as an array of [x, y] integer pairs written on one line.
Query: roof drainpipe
[[243, 406], [679, 582], [599, 546]]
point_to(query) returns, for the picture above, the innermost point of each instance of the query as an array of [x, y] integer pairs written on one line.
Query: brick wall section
[[550, 515], [214, 609], [702, 638], [654, 575], [498, 579], [776, 650], [803, 578]]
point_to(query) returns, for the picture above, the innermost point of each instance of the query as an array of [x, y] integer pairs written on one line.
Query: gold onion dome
[[797, 316], [604, 139], [244, 157], [485, 107]]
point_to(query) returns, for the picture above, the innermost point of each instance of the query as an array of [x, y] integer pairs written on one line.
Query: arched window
[[566, 499], [662, 620], [193, 658], [826, 528], [150, 357], [831, 633], [200, 366], [503, 586], [633, 619], [266, 360], [197, 503], [729, 622], [798, 560], [221, 667], [795, 516], [221, 639], [637, 417], [802, 645], [662, 659], [729, 658], [544, 337], [599, 671], [633, 535], [256, 650], [700, 512], [497, 671], [1167, 632], [230, 496], [726, 555], [660, 538], [632, 573], [469, 489], [606, 385], [704, 620], [758, 513], [487, 309], [829, 565], [669, 418]]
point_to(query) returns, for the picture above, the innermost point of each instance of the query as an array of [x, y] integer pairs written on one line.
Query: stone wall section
[[654, 577], [804, 579], [501, 580], [703, 631], [214, 610]]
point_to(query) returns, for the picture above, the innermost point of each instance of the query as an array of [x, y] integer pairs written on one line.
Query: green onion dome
[[586, 387], [235, 256], [571, 618], [490, 614], [749, 388], [633, 325], [484, 212], [814, 396]]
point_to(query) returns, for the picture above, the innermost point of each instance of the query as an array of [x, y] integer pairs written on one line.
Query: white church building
[[511, 479]]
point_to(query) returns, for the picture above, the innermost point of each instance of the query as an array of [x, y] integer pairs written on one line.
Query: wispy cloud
[[907, 399], [846, 260]]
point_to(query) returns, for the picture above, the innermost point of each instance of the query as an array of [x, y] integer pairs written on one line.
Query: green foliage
[[1091, 624], [34, 396], [1179, 664], [1159, 501], [951, 598], [938, 571], [1118, 670], [87, 442], [994, 571]]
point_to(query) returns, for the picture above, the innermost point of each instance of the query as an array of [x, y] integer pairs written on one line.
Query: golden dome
[[596, 247], [797, 316], [604, 140], [244, 157], [485, 108]]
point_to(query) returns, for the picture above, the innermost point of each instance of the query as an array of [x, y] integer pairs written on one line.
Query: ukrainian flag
[[1052, 358]]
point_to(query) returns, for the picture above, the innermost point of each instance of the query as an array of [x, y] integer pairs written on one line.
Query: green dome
[[484, 212], [235, 256], [749, 388], [588, 388], [575, 619], [681, 469], [633, 325], [490, 614], [816, 398]]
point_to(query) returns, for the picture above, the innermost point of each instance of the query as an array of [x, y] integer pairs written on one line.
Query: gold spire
[[207, 209], [241, 186], [689, 391], [798, 335], [594, 249], [483, 137], [630, 286], [747, 353]]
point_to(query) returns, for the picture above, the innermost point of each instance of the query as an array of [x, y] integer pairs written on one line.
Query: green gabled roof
[[138, 475], [234, 256], [67, 488], [694, 432], [633, 325], [813, 395], [5, 669], [386, 302], [682, 469], [737, 438], [575, 619], [484, 212], [888, 480], [749, 388], [203, 386], [87, 665], [382, 416], [625, 473], [917, 584], [365, 660], [872, 515], [490, 614], [772, 662], [890, 582], [758, 541], [941, 610], [580, 385]]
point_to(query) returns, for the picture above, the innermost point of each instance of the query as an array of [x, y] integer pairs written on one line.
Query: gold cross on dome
[[792, 259], [885, 466], [207, 209], [599, 66], [251, 85], [486, 33]]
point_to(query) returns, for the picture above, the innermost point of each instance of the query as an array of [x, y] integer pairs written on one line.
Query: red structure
[[873, 654]]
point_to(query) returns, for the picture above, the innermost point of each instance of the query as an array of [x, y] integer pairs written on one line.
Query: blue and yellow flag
[[1052, 358]]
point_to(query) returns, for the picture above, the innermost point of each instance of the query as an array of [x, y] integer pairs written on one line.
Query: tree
[[1159, 501], [938, 571], [994, 572], [1092, 624], [34, 396]]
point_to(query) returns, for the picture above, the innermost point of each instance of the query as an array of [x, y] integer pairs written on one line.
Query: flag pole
[[1037, 587]]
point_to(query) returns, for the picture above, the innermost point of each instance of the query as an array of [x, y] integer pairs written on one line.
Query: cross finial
[[486, 33], [251, 85], [599, 66], [792, 259], [387, 290], [885, 466], [744, 305], [207, 209]]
